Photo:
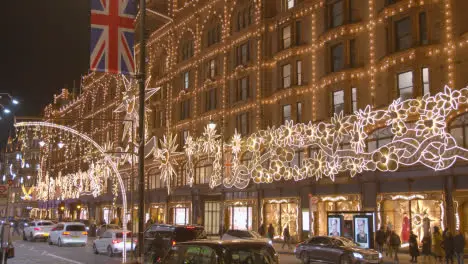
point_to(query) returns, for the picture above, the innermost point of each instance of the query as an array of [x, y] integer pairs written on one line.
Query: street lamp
[[212, 125]]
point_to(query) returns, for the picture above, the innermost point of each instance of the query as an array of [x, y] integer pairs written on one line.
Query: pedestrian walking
[[459, 246], [286, 237], [16, 228], [437, 240], [395, 243], [448, 246], [261, 230], [271, 231], [380, 239], [413, 247], [426, 248], [388, 235]]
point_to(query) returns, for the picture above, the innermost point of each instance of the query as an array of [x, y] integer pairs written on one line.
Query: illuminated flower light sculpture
[[166, 156], [419, 137]]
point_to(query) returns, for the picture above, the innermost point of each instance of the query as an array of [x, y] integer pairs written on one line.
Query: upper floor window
[[214, 35], [288, 4], [341, 12], [286, 113], [379, 138], [337, 13], [185, 109], [298, 32], [338, 101], [403, 34], [186, 79], [242, 123], [459, 130], [405, 85], [242, 89], [299, 72], [298, 112], [212, 68], [354, 99], [337, 57], [242, 54], [286, 75], [390, 2], [286, 37], [245, 17], [187, 49], [210, 97], [425, 81], [423, 40], [158, 121]]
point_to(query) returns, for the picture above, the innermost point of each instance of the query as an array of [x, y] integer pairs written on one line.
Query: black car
[[325, 249], [170, 235], [218, 252]]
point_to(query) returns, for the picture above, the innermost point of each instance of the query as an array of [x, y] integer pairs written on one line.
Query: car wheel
[[346, 259], [59, 243], [109, 252], [95, 249], [305, 258], [49, 241], [24, 236]]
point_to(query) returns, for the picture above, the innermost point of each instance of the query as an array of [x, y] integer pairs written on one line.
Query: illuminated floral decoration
[[419, 137]]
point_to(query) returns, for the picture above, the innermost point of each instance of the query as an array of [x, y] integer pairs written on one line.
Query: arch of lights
[[419, 137], [70, 179]]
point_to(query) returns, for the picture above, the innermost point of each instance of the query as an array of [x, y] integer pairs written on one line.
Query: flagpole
[[141, 131]]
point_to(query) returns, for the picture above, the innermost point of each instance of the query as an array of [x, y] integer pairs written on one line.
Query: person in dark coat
[[261, 230], [413, 247], [448, 246], [271, 231], [458, 246], [157, 248], [286, 237], [380, 239], [427, 248], [395, 243]]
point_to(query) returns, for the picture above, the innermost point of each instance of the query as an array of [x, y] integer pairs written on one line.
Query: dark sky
[[44, 46]]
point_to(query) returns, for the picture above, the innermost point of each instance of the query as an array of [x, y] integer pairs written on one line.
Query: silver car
[[111, 242], [69, 233]]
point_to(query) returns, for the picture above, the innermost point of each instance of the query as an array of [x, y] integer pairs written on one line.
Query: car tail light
[[84, 233], [66, 233], [173, 243], [116, 241], [37, 229]]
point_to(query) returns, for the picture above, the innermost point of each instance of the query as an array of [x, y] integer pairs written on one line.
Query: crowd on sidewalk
[[435, 247]]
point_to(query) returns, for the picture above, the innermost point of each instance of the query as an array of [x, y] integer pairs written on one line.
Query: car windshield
[[75, 228], [45, 223]]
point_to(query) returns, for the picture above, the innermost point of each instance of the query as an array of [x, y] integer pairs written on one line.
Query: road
[[42, 253]]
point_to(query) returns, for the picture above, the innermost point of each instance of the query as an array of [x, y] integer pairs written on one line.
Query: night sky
[[44, 46]]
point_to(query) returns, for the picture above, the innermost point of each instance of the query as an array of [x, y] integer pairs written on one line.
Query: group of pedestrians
[[271, 234], [435, 246]]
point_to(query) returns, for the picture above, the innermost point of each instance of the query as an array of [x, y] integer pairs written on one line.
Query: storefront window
[[211, 219], [106, 215], [157, 215], [335, 204], [281, 214], [240, 217], [181, 215]]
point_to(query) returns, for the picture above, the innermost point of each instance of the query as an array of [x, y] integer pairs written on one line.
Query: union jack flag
[[112, 35]]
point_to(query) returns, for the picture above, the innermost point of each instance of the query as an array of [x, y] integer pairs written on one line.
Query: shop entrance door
[[211, 218]]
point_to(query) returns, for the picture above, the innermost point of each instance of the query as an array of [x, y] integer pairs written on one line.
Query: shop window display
[[157, 215], [281, 214], [423, 214], [336, 206], [181, 216], [240, 217]]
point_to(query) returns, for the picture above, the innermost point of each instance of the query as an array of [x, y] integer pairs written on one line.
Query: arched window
[[459, 130]]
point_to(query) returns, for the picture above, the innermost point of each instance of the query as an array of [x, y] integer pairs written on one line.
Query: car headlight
[[270, 242], [380, 255], [357, 255]]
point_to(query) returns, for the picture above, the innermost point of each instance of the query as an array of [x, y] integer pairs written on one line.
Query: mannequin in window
[[405, 229]]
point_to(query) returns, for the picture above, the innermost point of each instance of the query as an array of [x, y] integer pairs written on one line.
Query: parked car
[[171, 235], [39, 229], [233, 234], [104, 228], [217, 252], [326, 249], [111, 242], [67, 233]]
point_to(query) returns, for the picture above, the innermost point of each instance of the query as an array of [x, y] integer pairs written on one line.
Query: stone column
[[449, 208]]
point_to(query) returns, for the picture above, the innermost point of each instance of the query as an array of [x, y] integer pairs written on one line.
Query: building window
[[286, 37], [187, 50], [423, 29], [337, 13], [405, 85], [337, 53], [214, 35], [298, 32], [212, 68], [186, 80], [243, 55], [203, 174], [425, 81], [158, 119], [242, 123], [390, 2], [354, 99], [286, 75], [289, 4], [299, 72], [185, 134], [338, 101], [185, 110], [242, 91], [210, 100], [286, 113], [244, 17], [352, 53], [299, 112], [403, 34]]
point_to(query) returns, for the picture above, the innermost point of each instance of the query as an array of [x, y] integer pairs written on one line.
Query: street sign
[[3, 191]]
